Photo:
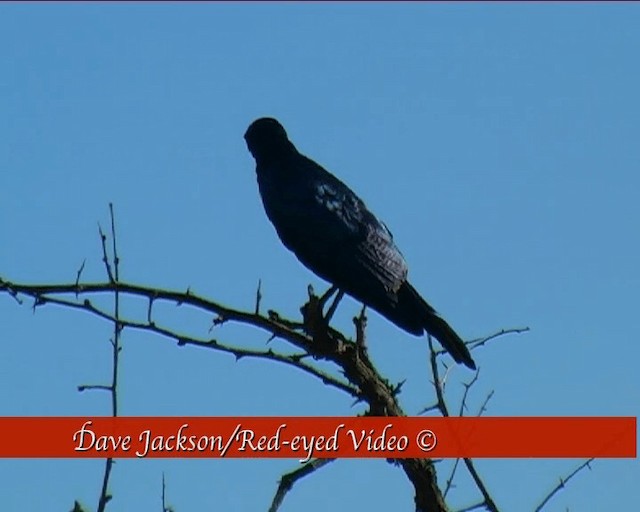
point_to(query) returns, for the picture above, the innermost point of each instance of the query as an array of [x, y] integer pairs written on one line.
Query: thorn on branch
[[258, 296], [483, 407], [116, 258], [7, 286], [273, 315], [428, 409], [78, 274], [38, 300], [397, 389], [149, 308], [105, 257], [91, 387], [218, 320], [187, 293], [450, 483], [77, 507], [563, 482], [476, 506], [357, 401]]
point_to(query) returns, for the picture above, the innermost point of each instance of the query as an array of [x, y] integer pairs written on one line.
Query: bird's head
[[267, 139]]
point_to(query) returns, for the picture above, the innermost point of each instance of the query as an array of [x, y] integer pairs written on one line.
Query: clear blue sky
[[498, 141]]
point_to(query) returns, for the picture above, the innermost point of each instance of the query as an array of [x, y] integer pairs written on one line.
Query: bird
[[333, 233]]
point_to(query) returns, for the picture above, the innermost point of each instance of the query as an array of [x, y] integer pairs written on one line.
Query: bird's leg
[[314, 319], [334, 306], [312, 314], [326, 296]]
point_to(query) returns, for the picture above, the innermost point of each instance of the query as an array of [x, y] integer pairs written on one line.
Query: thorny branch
[[362, 379], [488, 502], [105, 496], [314, 338], [288, 479], [293, 359], [562, 483], [363, 382]]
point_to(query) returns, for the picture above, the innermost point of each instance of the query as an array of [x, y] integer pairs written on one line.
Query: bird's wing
[[361, 244]]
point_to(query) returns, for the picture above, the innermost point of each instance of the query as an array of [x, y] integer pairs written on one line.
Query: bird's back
[[331, 231]]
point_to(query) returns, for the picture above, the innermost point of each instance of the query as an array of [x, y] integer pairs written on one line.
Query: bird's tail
[[411, 303]]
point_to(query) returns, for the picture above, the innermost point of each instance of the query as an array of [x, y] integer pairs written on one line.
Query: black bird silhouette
[[331, 231]]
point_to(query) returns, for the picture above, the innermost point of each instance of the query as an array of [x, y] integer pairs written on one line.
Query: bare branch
[[483, 407], [5, 286], [165, 507], [433, 407], [316, 339], [351, 358], [105, 258], [116, 258], [562, 483], [478, 342], [280, 329], [437, 383], [467, 387], [449, 484], [463, 407], [476, 506], [442, 406], [289, 479], [238, 352], [164, 503], [117, 329]]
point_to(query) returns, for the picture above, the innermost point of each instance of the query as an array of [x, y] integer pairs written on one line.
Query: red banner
[[324, 437]]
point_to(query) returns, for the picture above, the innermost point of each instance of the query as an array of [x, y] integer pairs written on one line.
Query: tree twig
[[442, 406], [289, 479], [562, 483], [258, 297], [105, 496]]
